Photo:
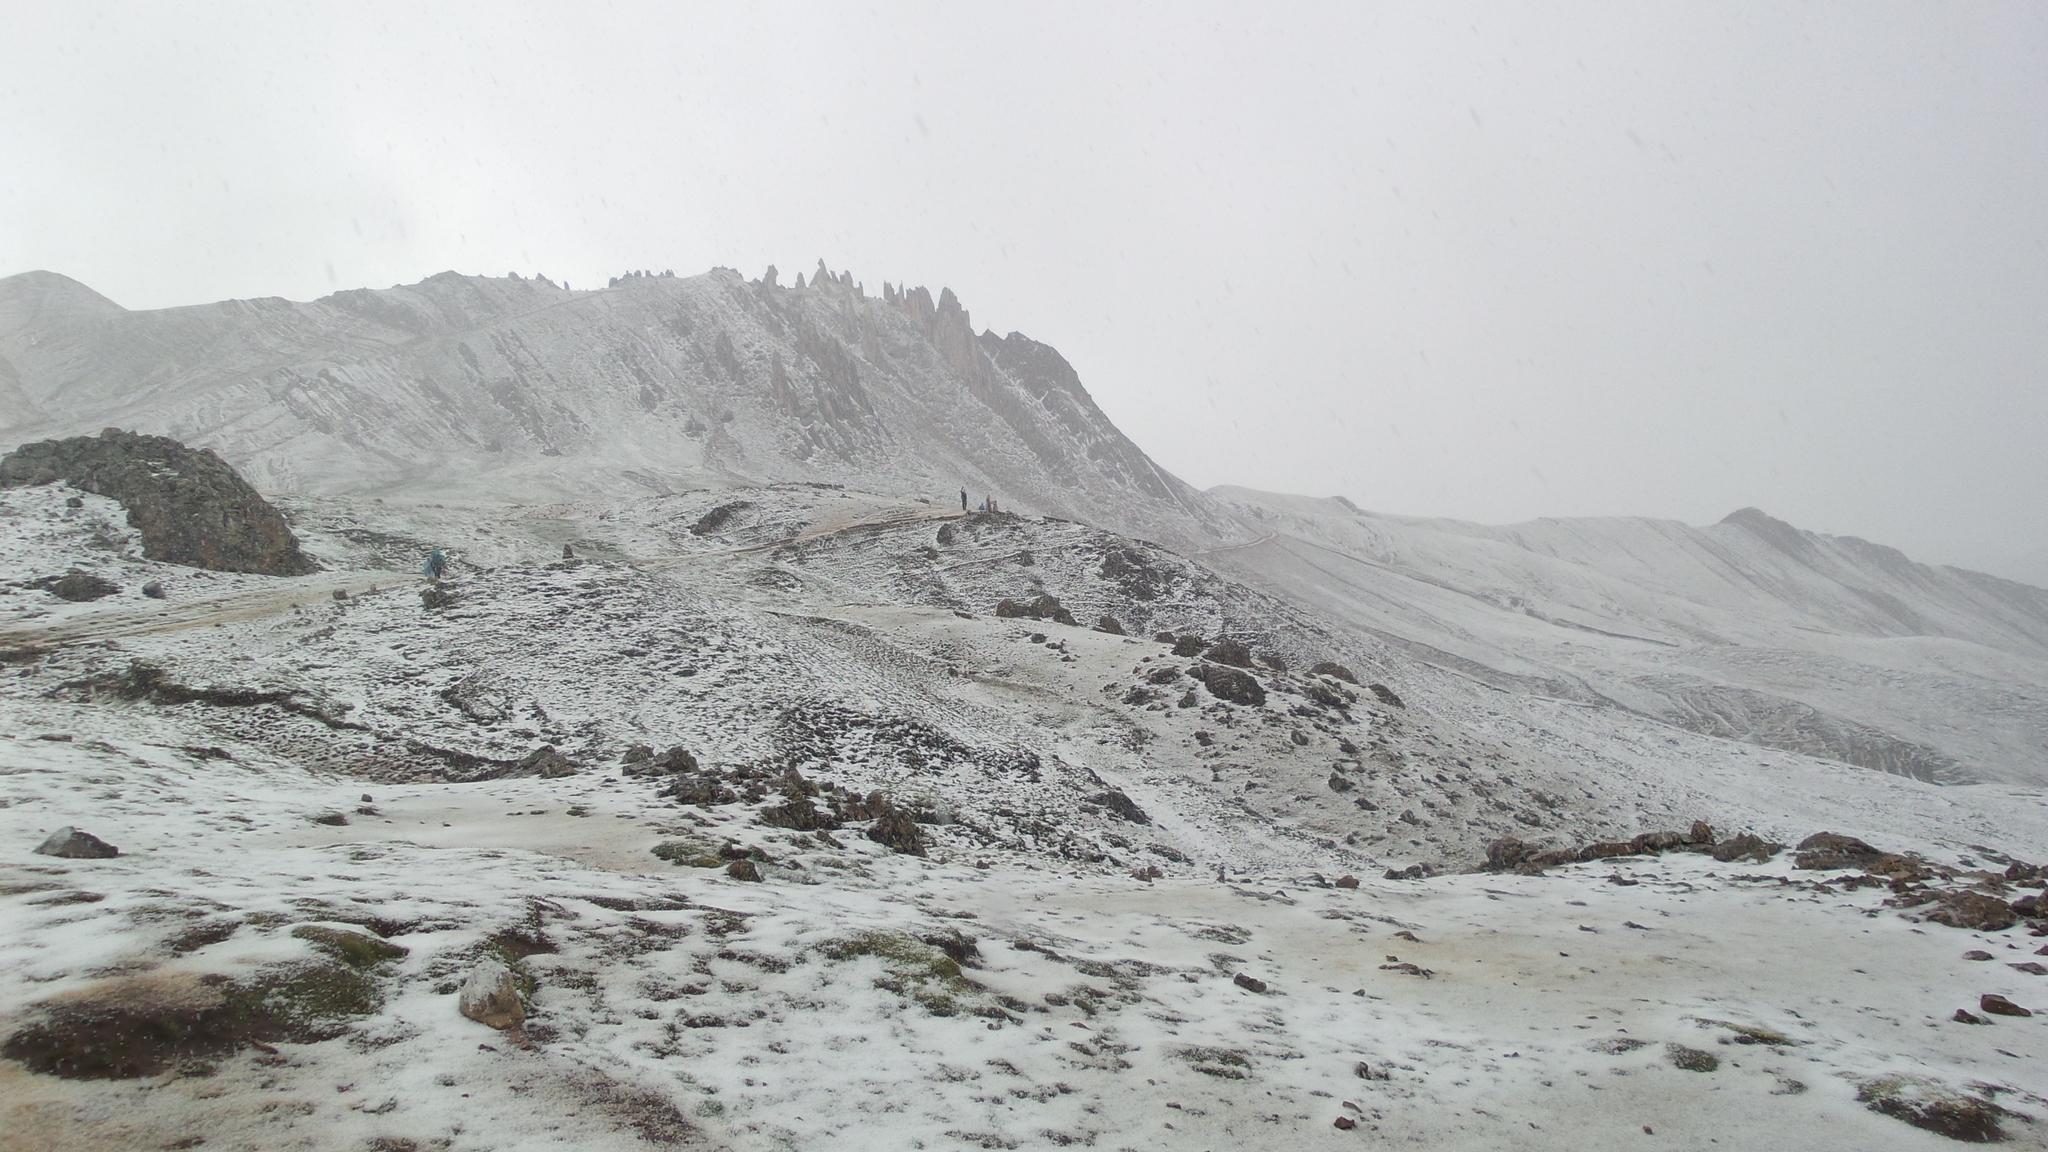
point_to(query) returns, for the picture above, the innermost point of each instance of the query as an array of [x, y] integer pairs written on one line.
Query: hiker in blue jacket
[[437, 563]]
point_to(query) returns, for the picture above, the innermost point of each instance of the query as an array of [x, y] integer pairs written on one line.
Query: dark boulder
[[1998, 1005], [1187, 645], [1229, 652], [801, 814], [1230, 684], [188, 505], [744, 869], [1338, 671], [1385, 695], [1044, 606], [896, 831], [72, 844], [1825, 850], [1111, 625], [1325, 695], [719, 517], [77, 586], [703, 791], [1507, 854], [544, 762], [1121, 806], [1747, 846], [677, 761], [1974, 911]]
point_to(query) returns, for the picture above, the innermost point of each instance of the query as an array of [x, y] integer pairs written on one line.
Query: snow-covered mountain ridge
[[512, 389], [524, 389]]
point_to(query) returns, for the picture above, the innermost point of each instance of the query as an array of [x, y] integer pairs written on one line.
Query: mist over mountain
[[643, 738]]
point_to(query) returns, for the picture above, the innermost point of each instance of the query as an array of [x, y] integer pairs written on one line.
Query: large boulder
[[189, 506], [1230, 684], [72, 844], [1044, 606], [1826, 850]]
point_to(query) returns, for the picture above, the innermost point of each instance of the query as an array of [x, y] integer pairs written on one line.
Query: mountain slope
[[526, 390], [1749, 628]]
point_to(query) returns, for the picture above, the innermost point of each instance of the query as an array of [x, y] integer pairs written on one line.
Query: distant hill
[[1750, 628]]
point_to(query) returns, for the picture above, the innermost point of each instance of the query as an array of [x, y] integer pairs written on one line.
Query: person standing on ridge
[[437, 563], [963, 499]]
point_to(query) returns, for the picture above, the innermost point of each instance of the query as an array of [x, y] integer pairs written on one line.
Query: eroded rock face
[[189, 506]]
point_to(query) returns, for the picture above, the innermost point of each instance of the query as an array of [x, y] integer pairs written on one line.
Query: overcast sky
[[1492, 261]]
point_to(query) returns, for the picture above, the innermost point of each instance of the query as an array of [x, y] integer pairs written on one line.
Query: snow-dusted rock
[[72, 844], [491, 996]]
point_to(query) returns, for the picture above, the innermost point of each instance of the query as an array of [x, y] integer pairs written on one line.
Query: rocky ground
[[790, 834]]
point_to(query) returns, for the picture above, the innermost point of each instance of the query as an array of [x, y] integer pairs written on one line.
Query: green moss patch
[[140, 1027], [1929, 1104], [1222, 1063], [351, 948], [920, 972], [1691, 1059]]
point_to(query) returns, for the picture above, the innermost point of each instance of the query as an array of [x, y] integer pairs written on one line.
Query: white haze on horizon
[[1490, 261]]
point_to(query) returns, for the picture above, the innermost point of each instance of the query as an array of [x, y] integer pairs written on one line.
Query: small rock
[[1248, 982], [1998, 1005], [1345, 1122], [341, 593], [491, 996], [1976, 954], [154, 589], [1347, 881], [1338, 671], [1965, 1016], [72, 844], [743, 869], [2030, 968]]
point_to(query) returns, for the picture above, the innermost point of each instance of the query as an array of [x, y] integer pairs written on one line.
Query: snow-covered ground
[[1053, 972]]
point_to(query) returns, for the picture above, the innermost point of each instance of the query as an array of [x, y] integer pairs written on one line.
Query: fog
[[1485, 261]]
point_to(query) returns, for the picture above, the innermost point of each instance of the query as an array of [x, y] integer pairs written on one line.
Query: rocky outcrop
[[1044, 606], [189, 506], [1230, 684]]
